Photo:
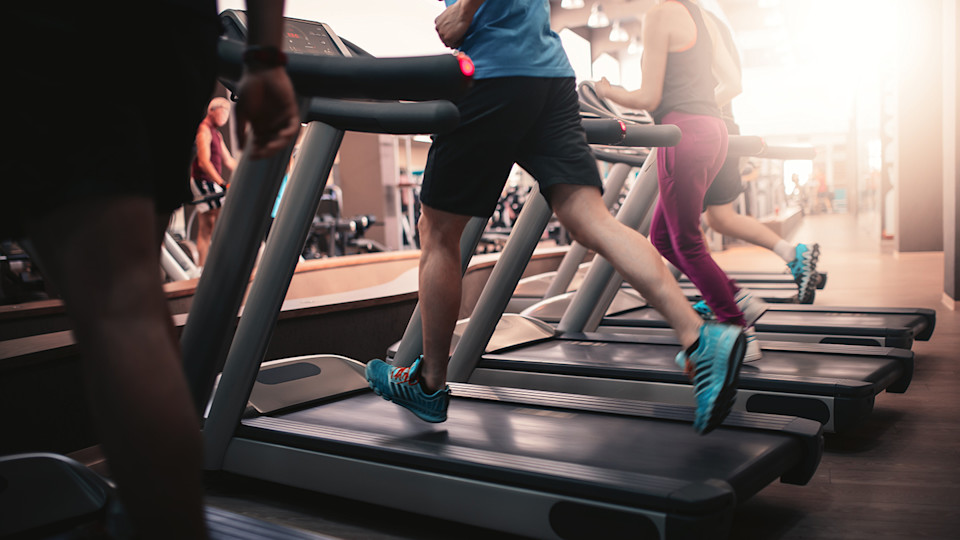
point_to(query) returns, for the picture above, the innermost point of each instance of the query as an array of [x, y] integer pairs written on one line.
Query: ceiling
[[758, 25]]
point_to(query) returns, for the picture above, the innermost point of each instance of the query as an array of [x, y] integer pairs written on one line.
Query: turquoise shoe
[[401, 385], [716, 372], [804, 270]]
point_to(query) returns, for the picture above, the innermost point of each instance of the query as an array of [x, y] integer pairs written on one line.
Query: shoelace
[[401, 376]]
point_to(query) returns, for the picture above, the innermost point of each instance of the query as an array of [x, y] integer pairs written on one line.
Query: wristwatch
[[262, 56]]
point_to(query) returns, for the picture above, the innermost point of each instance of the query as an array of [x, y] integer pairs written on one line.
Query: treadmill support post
[[585, 307], [503, 280], [269, 287], [208, 332]]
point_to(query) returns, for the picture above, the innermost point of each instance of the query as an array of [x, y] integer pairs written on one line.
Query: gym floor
[[898, 476]]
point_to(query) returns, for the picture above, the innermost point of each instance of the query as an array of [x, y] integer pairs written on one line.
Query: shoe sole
[[809, 295], [431, 419], [727, 395]]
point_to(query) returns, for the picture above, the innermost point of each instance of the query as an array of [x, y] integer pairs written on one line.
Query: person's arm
[[228, 160], [267, 103], [453, 23], [203, 140], [725, 70], [656, 43]]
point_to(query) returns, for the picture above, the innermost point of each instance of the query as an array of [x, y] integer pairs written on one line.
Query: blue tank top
[[509, 38]]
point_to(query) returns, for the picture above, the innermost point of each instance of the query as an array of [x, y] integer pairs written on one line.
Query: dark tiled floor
[[896, 477]]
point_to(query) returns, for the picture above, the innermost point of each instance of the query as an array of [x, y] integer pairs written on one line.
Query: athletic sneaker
[[704, 311], [715, 363], [401, 385], [751, 306], [748, 304], [753, 346], [804, 270]]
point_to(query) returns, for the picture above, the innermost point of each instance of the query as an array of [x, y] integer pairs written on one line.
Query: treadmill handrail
[[603, 130], [415, 78], [634, 160], [788, 152], [615, 132], [660, 135], [744, 145], [385, 117]]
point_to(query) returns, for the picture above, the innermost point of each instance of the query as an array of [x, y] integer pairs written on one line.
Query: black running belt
[[224, 525], [832, 384], [581, 446], [891, 327], [804, 371]]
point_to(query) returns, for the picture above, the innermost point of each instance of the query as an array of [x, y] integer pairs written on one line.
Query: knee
[[578, 233], [437, 232], [716, 218]]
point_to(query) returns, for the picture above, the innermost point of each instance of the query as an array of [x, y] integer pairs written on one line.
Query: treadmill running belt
[[565, 450], [780, 370]]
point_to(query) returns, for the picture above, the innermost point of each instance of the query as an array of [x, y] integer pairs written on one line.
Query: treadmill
[[835, 385], [540, 464], [775, 286], [627, 312]]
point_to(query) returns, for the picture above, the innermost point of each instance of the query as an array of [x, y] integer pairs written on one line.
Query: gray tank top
[[689, 84]]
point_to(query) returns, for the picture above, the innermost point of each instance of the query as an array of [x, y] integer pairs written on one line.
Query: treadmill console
[[302, 37]]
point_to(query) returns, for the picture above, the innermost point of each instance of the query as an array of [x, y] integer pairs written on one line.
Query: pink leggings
[[684, 172]]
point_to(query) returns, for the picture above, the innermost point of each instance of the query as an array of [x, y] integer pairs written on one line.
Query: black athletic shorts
[[534, 122], [727, 185], [99, 108]]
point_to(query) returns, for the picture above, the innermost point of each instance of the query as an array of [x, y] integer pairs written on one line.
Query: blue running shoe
[[715, 365], [401, 385], [704, 311], [804, 270]]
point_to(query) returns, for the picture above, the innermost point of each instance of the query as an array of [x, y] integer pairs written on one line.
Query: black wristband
[[264, 57]]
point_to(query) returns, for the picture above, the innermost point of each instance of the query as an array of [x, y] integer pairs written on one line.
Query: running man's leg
[[440, 283], [205, 223], [581, 210]]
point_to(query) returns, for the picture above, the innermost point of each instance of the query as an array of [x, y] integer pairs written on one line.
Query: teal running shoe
[[804, 270], [715, 367], [704, 311], [401, 385]]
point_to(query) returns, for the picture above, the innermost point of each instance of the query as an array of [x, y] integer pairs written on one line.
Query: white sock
[[786, 251]]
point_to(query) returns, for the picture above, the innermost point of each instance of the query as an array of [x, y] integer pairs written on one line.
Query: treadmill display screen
[[300, 36], [308, 38]]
